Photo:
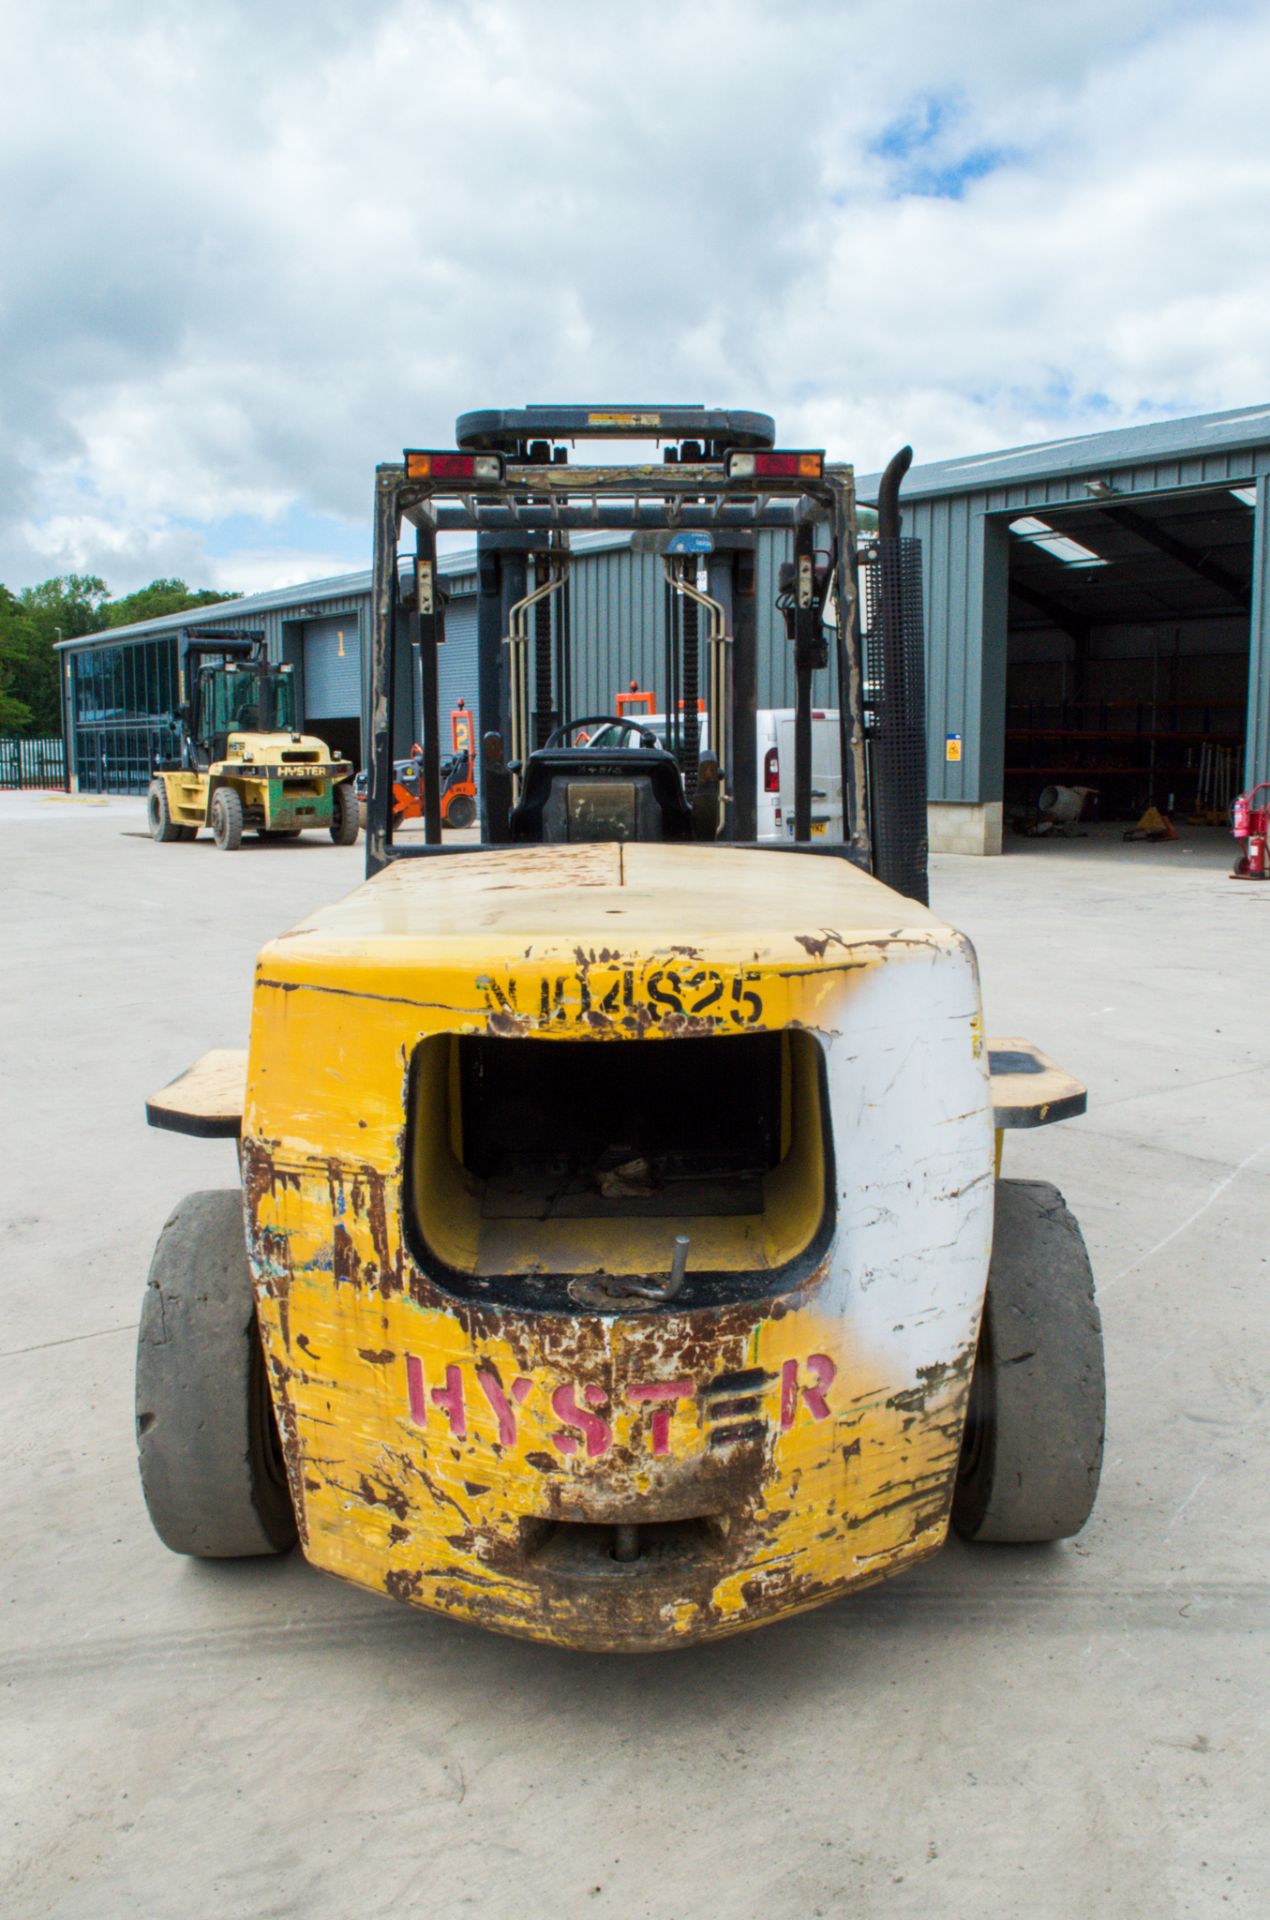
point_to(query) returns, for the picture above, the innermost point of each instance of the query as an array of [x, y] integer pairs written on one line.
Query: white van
[[776, 773], [775, 760]]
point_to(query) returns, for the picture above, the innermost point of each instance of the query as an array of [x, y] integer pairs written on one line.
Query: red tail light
[[775, 466], [453, 466], [772, 771]]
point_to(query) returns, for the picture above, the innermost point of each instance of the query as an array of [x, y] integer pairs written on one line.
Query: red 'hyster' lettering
[[450, 1400], [666, 1392], [824, 1373], [802, 1382], [814, 1397], [492, 1388], [415, 1390], [597, 1433]]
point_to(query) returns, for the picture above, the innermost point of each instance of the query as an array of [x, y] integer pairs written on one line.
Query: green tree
[[15, 714], [160, 597], [66, 608], [31, 622]]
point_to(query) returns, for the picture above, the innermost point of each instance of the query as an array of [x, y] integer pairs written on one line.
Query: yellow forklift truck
[[243, 762], [621, 1257]]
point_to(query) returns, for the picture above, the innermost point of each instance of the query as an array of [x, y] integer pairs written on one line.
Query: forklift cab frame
[[721, 482], [204, 654]]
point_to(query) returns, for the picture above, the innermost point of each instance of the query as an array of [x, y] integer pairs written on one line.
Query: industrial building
[[1096, 615], [119, 687]]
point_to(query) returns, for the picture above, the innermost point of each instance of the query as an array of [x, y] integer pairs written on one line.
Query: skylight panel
[[1039, 533]]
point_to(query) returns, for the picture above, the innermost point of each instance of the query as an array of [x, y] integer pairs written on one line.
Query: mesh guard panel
[[895, 702]]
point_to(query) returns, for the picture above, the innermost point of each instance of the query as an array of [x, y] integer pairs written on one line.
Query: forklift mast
[[196, 648], [721, 481]]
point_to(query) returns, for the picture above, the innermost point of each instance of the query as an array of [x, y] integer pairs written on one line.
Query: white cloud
[[247, 252]]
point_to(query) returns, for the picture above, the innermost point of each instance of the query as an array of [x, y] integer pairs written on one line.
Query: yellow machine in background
[[242, 762], [621, 1258]]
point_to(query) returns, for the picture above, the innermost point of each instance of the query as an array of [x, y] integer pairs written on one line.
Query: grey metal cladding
[[1257, 761], [457, 664], [333, 667], [961, 509]]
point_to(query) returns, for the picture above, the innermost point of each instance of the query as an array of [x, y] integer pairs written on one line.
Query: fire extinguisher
[[1250, 822]]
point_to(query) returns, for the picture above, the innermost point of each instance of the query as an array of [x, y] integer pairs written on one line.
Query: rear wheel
[[227, 819], [211, 1464], [1032, 1450], [461, 811], [344, 822], [159, 815]]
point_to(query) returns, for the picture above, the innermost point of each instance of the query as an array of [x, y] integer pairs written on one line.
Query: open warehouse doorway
[[1127, 659]]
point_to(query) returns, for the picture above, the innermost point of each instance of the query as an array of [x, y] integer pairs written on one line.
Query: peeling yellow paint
[[435, 1440]]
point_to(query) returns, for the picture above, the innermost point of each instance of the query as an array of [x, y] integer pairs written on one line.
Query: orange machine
[[458, 789], [635, 696]]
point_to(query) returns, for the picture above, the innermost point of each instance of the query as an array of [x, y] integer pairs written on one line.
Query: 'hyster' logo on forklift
[[594, 995], [731, 1407]]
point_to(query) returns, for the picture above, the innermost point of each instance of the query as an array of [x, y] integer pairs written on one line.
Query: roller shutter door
[[332, 668], [457, 662]]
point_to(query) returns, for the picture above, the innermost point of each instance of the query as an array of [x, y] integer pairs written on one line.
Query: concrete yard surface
[[1044, 1732]]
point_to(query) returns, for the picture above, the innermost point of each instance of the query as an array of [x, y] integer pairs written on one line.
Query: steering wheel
[[558, 736]]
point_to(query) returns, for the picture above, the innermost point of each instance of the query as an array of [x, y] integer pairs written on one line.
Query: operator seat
[[601, 793]]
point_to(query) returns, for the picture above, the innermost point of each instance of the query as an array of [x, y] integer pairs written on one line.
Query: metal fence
[[32, 762]]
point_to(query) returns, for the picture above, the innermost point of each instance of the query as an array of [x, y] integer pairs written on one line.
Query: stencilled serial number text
[[626, 996]]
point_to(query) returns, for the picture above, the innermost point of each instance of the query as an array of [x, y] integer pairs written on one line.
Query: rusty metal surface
[[464, 1456]]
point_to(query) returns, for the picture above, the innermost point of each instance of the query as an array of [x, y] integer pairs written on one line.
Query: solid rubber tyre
[[227, 819], [344, 822], [159, 815], [462, 811], [1032, 1450], [207, 1443]]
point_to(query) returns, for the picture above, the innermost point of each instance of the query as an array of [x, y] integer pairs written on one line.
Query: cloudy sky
[[250, 247]]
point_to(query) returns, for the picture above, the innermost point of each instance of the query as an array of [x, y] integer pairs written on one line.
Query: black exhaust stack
[[895, 696]]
